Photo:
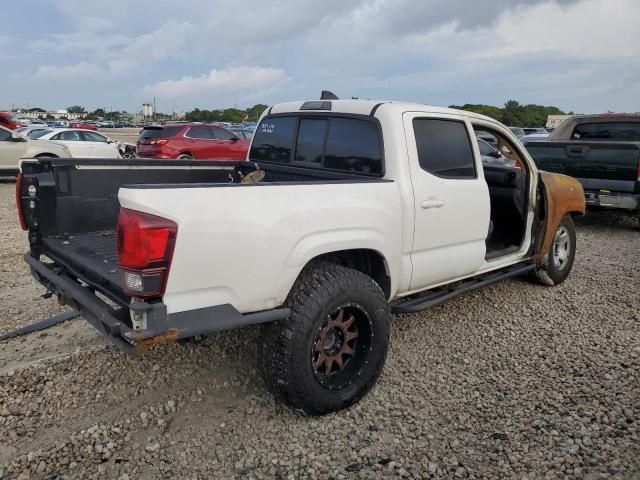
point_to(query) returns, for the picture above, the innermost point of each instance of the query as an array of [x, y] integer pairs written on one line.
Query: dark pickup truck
[[602, 152]]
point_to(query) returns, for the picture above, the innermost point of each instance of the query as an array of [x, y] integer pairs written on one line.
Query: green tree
[[488, 110], [75, 109], [98, 112], [253, 113]]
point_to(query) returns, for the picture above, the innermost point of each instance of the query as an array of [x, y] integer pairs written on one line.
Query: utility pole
[[154, 108]]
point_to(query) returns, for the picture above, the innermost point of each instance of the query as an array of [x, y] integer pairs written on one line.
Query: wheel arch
[[366, 260], [46, 155]]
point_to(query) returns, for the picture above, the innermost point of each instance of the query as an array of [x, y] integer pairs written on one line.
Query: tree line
[[513, 114]]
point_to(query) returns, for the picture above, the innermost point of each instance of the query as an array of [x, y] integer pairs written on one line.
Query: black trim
[[114, 323], [427, 299], [375, 108], [260, 184]]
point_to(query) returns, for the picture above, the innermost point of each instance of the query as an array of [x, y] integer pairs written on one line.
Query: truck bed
[[91, 256]]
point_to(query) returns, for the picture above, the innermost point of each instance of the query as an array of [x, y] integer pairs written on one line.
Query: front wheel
[[331, 350], [185, 156], [556, 265]]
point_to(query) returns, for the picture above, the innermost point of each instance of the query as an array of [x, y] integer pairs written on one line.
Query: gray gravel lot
[[513, 381]]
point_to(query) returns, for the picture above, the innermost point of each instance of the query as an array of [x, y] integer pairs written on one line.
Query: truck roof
[[368, 107]]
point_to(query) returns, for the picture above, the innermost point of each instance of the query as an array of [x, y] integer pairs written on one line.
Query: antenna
[[328, 95]]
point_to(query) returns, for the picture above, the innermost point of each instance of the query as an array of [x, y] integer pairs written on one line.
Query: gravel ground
[[513, 381]]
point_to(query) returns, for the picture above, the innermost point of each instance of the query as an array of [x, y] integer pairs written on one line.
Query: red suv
[[10, 121], [191, 140]]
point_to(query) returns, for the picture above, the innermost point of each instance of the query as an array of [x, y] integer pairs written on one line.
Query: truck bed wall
[[80, 197]]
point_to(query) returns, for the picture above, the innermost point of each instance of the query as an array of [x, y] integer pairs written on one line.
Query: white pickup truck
[[344, 212]]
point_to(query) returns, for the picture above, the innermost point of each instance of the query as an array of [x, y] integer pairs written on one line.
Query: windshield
[[38, 133]]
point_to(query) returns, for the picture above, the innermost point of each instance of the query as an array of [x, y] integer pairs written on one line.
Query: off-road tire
[[546, 272], [285, 348]]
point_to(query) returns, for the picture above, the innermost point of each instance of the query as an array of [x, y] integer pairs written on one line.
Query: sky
[[579, 55]]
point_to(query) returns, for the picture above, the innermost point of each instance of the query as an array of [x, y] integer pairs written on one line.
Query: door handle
[[432, 203]]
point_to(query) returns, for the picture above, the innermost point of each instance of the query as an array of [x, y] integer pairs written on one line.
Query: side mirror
[[17, 138], [234, 139]]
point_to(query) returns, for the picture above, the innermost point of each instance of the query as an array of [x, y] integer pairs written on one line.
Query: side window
[[354, 145], [311, 136], [5, 135], [444, 148], [273, 140], [222, 134], [69, 136], [200, 131], [93, 137]]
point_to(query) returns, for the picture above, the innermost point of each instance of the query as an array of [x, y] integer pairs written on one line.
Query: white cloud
[[231, 80], [591, 29], [67, 72]]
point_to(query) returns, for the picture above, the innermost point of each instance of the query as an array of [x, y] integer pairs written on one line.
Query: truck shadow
[[601, 220]]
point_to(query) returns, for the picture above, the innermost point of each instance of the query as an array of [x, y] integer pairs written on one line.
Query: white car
[[85, 143]]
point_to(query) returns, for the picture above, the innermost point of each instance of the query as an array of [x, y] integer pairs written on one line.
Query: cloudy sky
[[581, 55]]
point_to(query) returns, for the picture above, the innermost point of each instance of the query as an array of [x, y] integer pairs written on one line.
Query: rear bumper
[[152, 323], [623, 201]]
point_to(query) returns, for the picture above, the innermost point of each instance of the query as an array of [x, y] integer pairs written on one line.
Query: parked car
[[602, 152], [517, 131], [341, 229], [10, 121], [534, 137], [191, 140], [34, 131], [14, 146], [83, 125], [531, 130], [242, 133], [492, 156], [87, 144]]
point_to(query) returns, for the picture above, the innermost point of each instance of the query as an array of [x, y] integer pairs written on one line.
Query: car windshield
[[38, 133]]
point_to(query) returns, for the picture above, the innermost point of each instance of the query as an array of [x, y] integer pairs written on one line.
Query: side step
[[424, 300]]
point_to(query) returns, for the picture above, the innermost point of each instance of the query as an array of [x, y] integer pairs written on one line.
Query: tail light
[[639, 170], [23, 223], [145, 250], [162, 141], [517, 164]]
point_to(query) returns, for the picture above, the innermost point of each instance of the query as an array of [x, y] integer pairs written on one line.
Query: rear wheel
[[331, 350], [557, 264], [185, 156]]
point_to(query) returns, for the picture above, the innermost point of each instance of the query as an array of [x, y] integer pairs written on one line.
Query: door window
[[444, 148], [222, 134], [5, 135], [69, 136], [202, 132], [94, 137]]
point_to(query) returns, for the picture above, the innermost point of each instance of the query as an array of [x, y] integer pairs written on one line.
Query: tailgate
[[598, 166]]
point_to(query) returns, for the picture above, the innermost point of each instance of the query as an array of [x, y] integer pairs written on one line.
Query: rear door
[[200, 142], [451, 199]]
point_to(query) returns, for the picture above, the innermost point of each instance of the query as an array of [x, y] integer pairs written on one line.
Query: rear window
[[337, 143], [616, 131], [273, 140], [151, 133]]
